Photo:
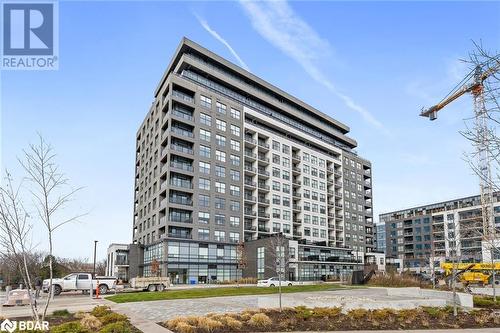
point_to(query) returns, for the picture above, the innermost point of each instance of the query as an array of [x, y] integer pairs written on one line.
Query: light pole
[[95, 252]]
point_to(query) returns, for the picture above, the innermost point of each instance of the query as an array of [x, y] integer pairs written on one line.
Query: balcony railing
[[182, 149], [178, 235], [182, 132], [187, 202], [181, 114], [182, 166], [182, 96], [181, 183]]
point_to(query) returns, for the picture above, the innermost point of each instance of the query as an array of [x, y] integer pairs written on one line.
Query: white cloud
[[281, 26], [214, 33]]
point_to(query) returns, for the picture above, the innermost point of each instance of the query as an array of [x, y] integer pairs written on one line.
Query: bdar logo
[[8, 326]]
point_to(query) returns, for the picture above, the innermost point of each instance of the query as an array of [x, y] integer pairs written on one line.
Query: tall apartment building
[[439, 231], [224, 157]]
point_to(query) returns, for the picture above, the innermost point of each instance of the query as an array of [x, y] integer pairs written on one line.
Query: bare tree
[[15, 235], [280, 256], [51, 193]]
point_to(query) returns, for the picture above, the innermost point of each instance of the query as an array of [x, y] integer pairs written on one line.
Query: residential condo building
[[223, 157], [439, 232]]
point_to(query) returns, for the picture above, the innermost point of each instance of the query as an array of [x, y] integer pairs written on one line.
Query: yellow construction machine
[[472, 273]]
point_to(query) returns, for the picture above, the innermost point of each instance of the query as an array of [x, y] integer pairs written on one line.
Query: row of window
[[220, 171], [220, 156], [220, 187], [219, 203], [219, 235], [220, 107]]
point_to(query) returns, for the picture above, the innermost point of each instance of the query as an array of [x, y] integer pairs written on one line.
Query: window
[[286, 230], [276, 227], [204, 184], [276, 172], [220, 236], [235, 145], [234, 221], [235, 113], [234, 237], [220, 140], [220, 156], [220, 125], [286, 175], [276, 158], [220, 171], [286, 188], [286, 149], [276, 185], [220, 187], [203, 200], [204, 151], [276, 145], [286, 201], [203, 217], [276, 213], [235, 160], [260, 262], [235, 175], [235, 130], [286, 215], [276, 199], [220, 203], [235, 206], [234, 190], [204, 167], [220, 219], [205, 135], [203, 234], [221, 108], [205, 119], [206, 101], [306, 169]]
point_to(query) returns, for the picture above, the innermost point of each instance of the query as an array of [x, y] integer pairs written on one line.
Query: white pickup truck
[[80, 281]]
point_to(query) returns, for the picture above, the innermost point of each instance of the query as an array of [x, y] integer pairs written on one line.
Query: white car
[[273, 282]]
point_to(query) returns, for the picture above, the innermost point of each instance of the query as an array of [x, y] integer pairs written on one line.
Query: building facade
[[438, 232], [223, 157], [379, 237]]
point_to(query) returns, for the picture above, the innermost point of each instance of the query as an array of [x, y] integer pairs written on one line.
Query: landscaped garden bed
[[486, 302], [333, 319], [101, 319]]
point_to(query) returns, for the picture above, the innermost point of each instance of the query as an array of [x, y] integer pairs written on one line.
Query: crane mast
[[474, 85]]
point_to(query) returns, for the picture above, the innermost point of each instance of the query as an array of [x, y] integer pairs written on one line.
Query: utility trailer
[[153, 283]]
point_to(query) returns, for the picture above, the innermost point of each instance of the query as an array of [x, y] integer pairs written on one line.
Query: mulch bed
[[332, 319]]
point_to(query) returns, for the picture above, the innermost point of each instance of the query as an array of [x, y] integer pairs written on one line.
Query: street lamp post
[[95, 252]]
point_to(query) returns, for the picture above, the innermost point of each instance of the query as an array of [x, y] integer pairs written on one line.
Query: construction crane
[[473, 83]]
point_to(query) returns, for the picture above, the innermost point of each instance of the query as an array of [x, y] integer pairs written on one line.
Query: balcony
[[182, 132], [263, 187], [250, 155], [296, 157], [263, 172], [296, 181], [263, 145], [250, 169], [181, 201], [250, 141], [263, 229], [181, 219], [182, 115], [297, 207], [182, 96], [179, 235], [250, 212], [296, 194], [263, 215], [338, 195], [250, 227], [337, 173], [250, 198], [263, 158], [182, 149], [296, 169], [250, 183], [181, 183], [264, 201], [181, 166]]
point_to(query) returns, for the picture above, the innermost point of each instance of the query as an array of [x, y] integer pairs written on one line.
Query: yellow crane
[[473, 83], [471, 273]]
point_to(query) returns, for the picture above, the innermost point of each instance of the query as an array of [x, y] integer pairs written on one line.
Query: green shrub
[[100, 311], [303, 312], [112, 318], [71, 327], [486, 302], [118, 327], [61, 313]]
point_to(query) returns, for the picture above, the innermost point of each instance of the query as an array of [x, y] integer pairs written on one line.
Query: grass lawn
[[214, 292]]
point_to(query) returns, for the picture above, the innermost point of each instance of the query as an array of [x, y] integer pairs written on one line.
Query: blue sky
[[371, 65]]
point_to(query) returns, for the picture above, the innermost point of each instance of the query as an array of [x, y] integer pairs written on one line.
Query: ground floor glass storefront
[[324, 271], [192, 262]]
